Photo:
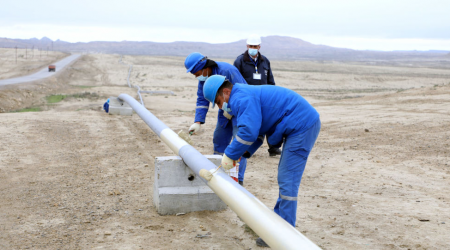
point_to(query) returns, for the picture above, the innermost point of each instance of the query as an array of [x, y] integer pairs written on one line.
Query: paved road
[[41, 74]]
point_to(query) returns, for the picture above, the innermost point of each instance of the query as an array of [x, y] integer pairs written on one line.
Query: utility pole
[[16, 54]]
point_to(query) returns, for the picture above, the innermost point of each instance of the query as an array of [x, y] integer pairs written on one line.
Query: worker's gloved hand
[[227, 163], [195, 128], [228, 116]]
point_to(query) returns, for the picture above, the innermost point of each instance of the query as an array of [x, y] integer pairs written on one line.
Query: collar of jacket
[[247, 57]]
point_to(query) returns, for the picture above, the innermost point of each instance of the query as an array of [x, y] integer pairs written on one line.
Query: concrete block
[[178, 190], [117, 107]]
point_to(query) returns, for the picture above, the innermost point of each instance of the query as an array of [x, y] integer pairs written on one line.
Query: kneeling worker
[[280, 114]]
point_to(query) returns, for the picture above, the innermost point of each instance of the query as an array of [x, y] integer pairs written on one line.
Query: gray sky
[[356, 24]]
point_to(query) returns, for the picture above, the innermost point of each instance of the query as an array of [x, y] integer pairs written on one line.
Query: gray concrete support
[[177, 189], [118, 107]]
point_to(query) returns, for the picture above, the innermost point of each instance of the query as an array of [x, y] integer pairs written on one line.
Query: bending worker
[[255, 68], [202, 68], [279, 113]]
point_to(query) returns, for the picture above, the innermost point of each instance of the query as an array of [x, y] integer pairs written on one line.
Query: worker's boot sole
[[274, 151]]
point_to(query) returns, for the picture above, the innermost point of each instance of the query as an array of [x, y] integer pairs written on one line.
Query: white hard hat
[[254, 40]]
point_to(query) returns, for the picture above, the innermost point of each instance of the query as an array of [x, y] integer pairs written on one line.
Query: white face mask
[[225, 105], [201, 77], [253, 52]]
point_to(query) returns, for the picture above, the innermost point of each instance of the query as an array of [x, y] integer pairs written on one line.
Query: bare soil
[[74, 177]]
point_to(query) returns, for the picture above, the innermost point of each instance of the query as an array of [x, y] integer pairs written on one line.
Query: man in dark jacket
[[255, 68]]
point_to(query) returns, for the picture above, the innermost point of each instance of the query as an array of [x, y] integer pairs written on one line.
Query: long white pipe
[[275, 231]]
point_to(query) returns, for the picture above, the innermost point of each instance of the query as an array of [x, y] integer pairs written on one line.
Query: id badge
[[256, 76]]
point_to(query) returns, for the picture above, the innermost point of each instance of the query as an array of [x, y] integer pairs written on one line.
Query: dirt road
[[20, 62], [74, 177], [43, 73]]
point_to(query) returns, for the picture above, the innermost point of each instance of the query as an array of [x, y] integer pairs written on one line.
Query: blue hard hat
[[211, 87], [192, 60]]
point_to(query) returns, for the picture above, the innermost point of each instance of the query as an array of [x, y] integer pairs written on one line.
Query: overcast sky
[[356, 24]]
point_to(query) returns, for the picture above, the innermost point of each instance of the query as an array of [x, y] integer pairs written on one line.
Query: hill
[[274, 47]]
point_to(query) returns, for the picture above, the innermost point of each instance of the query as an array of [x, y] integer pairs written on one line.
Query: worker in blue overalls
[[202, 68], [283, 116]]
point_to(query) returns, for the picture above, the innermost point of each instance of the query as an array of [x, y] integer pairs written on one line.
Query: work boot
[[261, 243], [241, 183], [274, 151]]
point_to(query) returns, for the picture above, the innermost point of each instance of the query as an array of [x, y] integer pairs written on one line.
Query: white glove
[[227, 163], [195, 128], [228, 116]]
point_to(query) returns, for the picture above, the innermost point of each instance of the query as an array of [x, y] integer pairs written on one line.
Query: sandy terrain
[[74, 177]]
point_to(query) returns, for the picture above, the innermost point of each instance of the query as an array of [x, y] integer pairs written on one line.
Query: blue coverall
[[224, 129], [281, 114]]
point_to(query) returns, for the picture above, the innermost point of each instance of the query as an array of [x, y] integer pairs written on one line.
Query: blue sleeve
[[252, 149], [249, 119], [234, 75], [202, 105]]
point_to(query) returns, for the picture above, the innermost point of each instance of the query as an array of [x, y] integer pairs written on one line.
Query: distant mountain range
[[274, 47]]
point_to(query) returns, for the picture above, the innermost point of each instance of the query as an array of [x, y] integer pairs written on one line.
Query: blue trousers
[[293, 159], [222, 138]]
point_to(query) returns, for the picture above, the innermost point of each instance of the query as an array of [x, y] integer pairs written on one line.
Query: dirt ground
[[74, 177]]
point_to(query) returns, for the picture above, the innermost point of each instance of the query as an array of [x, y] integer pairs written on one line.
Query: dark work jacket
[[246, 66]]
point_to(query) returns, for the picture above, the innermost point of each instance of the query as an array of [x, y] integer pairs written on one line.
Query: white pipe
[[274, 230]]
